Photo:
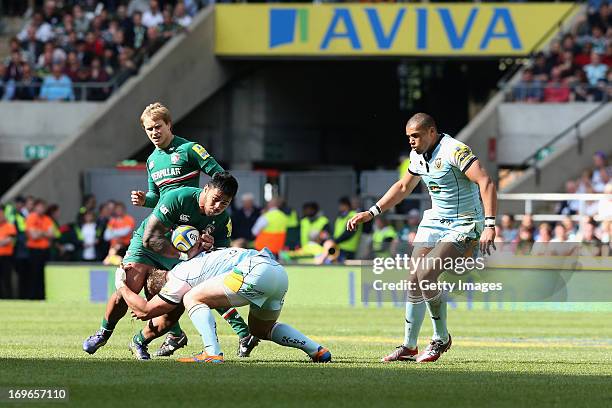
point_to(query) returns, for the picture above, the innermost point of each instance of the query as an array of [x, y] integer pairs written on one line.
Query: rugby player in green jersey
[[203, 209], [175, 162]]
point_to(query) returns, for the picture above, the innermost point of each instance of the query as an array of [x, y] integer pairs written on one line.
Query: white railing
[[529, 199]]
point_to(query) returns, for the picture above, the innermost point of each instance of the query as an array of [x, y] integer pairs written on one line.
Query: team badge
[[151, 164], [200, 151], [174, 158], [184, 218], [438, 163]]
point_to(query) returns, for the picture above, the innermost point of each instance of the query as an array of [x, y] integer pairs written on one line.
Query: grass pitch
[[499, 358]]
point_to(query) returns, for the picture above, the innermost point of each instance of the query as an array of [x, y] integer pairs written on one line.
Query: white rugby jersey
[[188, 274], [442, 170]]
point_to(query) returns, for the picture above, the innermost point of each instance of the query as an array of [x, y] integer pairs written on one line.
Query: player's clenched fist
[[138, 198], [357, 219], [207, 241]]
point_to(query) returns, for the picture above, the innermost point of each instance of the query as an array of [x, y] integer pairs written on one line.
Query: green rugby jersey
[[178, 165], [178, 207]]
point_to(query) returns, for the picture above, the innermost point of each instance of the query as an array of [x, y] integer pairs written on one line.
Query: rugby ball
[[184, 236]]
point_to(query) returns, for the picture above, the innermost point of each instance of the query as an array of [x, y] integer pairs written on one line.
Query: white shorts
[[260, 280], [464, 234]]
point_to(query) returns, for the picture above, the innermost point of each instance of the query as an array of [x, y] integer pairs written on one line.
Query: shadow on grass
[[282, 383]]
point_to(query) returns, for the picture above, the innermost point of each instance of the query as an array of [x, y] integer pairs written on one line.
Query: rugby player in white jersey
[[456, 225], [226, 277]]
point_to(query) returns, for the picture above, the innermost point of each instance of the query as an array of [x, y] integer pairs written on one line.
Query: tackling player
[[223, 278], [451, 228]]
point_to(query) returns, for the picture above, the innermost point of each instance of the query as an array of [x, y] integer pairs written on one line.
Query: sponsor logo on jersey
[[164, 210], [200, 151], [171, 172], [184, 218], [438, 163], [174, 158], [434, 188], [151, 164]]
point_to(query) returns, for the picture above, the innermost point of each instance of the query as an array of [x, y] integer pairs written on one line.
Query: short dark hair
[[345, 200], [422, 121], [225, 182]]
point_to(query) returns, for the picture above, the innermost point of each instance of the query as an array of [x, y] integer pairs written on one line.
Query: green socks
[[139, 339], [234, 319], [175, 330]]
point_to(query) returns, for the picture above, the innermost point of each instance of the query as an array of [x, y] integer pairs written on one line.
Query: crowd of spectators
[[588, 237], [99, 44], [30, 236], [597, 179], [576, 67], [566, 237]]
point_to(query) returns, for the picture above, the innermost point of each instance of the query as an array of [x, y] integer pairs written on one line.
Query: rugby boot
[[140, 351], [246, 345], [434, 350], [171, 344], [96, 340], [202, 358], [401, 353], [322, 355]]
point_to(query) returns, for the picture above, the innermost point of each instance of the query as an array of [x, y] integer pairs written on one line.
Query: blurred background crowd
[[82, 50]]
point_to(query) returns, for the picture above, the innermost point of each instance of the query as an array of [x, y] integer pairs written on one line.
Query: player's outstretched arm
[[488, 194], [396, 194], [142, 309]]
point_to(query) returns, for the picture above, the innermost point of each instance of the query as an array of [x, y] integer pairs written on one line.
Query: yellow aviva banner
[[492, 29]]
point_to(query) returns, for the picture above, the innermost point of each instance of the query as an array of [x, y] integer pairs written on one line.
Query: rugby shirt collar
[[427, 155]]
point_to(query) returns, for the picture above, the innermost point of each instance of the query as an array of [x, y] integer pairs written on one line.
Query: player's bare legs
[[160, 325], [262, 323], [135, 277], [435, 299], [198, 303], [116, 308], [415, 313]]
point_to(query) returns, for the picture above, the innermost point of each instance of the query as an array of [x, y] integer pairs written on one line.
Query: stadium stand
[[553, 83], [576, 66], [81, 52]]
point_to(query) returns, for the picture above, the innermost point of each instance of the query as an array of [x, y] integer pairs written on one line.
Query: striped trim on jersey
[[179, 179]]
